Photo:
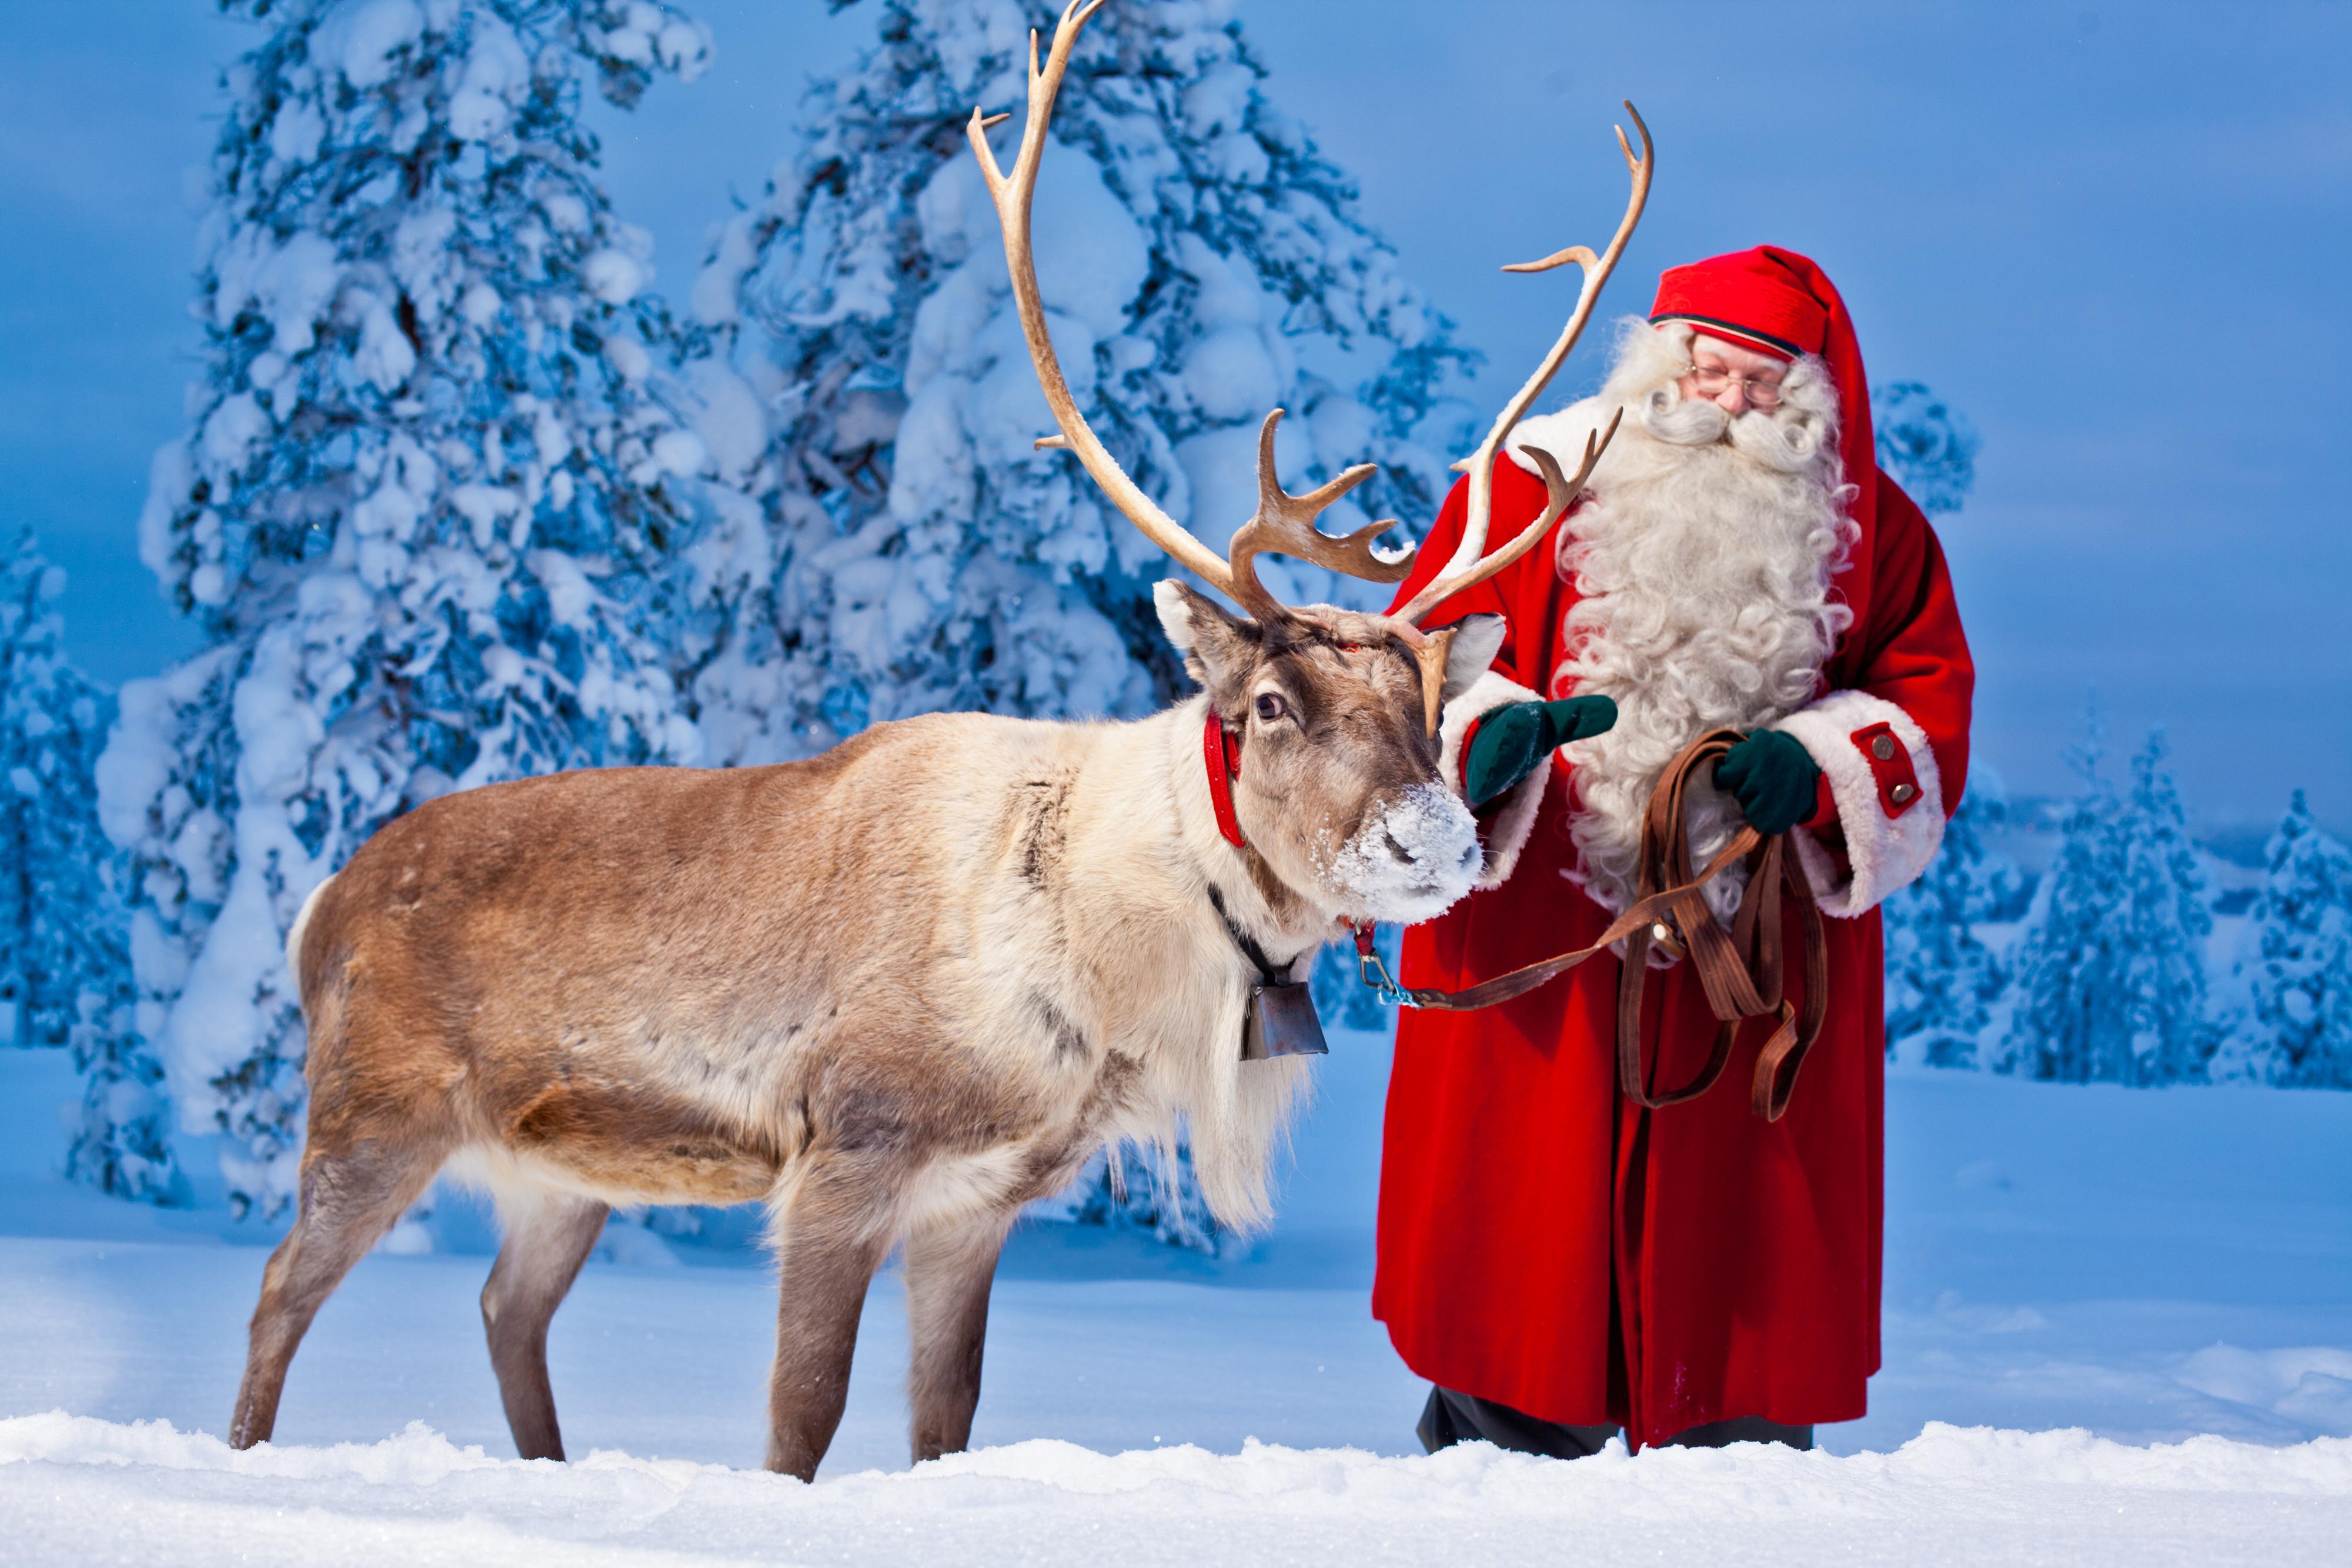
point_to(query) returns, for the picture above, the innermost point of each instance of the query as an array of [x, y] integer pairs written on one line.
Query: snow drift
[[76, 1489]]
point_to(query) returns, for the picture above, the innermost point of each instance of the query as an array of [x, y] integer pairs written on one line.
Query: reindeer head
[[1338, 786], [1335, 712]]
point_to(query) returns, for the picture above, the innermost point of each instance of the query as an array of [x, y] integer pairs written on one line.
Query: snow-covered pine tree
[[1941, 978], [2293, 971], [1930, 449], [422, 513], [2110, 970], [30, 660], [2050, 1030], [2169, 921], [65, 971], [1202, 263]]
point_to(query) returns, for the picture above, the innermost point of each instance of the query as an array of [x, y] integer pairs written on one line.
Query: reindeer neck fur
[[1149, 968]]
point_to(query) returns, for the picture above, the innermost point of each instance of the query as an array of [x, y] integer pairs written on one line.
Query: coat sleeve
[[1504, 823], [1892, 740]]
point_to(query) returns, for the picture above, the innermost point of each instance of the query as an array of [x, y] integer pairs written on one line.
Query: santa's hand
[[1511, 740], [1773, 778]]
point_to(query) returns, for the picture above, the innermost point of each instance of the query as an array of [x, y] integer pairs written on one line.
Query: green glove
[[1773, 778], [1511, 740]]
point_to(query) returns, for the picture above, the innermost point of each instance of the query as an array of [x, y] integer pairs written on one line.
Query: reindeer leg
[[948, 1272], [834, 1231], [549, 1237], [349, 1198]]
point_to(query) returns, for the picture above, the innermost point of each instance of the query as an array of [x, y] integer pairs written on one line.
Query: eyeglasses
[[1713, 383]]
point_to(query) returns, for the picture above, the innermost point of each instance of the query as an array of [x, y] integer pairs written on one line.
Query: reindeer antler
[[1470, 565], [1284, 523]]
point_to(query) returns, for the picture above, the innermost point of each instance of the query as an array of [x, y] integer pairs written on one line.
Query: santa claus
[[1560, 1261]]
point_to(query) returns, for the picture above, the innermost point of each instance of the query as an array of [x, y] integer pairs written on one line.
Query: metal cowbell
[[1281, 1022]]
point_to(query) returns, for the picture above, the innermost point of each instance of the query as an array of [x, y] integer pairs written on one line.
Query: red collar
[[1224, 763]]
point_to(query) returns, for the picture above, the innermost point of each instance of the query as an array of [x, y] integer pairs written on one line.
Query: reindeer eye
[[1270, 706]]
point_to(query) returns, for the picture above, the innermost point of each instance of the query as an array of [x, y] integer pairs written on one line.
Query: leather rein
[[1741, 971]]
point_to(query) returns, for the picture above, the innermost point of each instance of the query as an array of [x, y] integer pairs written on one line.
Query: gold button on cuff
[[1902, 792], [1883, 748]]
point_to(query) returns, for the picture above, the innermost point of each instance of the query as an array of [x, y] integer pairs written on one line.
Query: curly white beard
[[1704, 568]]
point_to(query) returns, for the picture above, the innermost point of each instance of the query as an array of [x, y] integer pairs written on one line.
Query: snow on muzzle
[[1411, 857]]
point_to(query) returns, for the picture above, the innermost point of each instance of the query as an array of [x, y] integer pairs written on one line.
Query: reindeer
[[898, 990]]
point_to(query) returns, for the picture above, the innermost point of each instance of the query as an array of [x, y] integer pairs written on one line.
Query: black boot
[[1451, 1418], [1742, 1429]]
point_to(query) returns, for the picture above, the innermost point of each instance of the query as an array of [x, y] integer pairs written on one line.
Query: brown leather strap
[[1740, 970]]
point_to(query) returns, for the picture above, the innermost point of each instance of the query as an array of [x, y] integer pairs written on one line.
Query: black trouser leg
[[1451, 1418], [1742, 1429]]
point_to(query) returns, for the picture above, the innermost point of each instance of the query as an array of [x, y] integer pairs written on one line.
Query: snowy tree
[[65, 973], [1941, 978], [1202, 263], [2292, 1023], [424, 511], [2168, 918], [2110, 968], [30, 664], [1929, 448]]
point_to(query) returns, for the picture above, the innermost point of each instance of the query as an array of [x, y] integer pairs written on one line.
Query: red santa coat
[[1543, 1241]]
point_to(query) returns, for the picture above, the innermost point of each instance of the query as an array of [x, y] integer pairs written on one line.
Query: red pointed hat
[[1751, 297], [1779, 302]]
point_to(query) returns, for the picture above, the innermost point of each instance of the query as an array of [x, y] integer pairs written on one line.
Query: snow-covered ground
[[84, 1491], [2147, 1266]]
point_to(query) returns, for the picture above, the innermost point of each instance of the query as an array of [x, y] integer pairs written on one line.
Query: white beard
[[1703, 565]]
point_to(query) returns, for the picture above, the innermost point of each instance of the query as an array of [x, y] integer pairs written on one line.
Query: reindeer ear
[[1219, 649], [1476, 640]]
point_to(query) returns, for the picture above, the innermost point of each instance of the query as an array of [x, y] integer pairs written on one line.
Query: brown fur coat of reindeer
[[899, 990]]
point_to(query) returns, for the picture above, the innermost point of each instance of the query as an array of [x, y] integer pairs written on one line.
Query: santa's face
[[1683, 391], [1732, 376]]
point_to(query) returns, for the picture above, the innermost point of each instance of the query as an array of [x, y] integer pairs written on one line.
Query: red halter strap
[[1224, 765]]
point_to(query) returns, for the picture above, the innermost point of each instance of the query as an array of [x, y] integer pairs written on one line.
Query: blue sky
[[2113, 236]]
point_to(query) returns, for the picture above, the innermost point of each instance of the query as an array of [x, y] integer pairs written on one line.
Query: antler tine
[[1285, 524], [1013, 195], [1430, 648], [1561, 494], [1470, 564]]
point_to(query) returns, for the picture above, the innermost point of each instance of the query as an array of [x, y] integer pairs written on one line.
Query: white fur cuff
[[1505, 828], [1890, 798]]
